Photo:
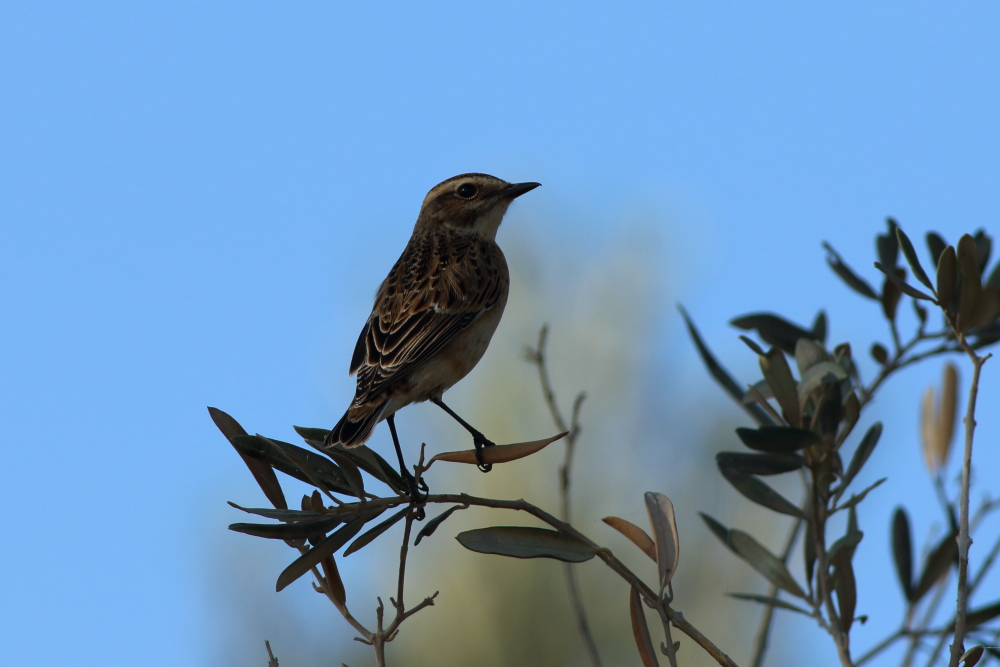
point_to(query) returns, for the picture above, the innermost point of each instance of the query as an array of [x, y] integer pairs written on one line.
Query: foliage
[[804, 422]]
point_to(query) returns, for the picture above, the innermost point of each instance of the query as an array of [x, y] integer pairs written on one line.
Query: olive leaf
[[902, 551], [262, 472], [526, 542]]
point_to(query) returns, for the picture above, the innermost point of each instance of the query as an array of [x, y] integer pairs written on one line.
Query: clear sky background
[[197, 201]]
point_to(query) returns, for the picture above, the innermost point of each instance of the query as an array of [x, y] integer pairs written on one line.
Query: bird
[[435, 313]]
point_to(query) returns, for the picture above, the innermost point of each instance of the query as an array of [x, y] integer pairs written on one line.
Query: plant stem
[[958, 642], [537, 357]]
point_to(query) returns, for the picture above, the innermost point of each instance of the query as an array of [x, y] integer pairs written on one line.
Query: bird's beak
[[515, 190]]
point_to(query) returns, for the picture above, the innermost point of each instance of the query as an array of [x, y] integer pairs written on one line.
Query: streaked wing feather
[[437, 288]]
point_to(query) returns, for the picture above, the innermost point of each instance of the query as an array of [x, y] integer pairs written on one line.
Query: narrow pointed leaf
[[288, 531], [825, 372], [327, 547], [525, 542], [718, 530], [847, 590], [777, 438], [369, 536], [279, 514], [861, 454], [640, 630], [902, 551], [764, 562], [433, 524], [759, 464], [903, 286], [808, 353], [363, 457], [752, 345], [499, 453], [770, 602], [983, 246], [262, 473], [971, 285], [912, 259], [333, 580], [759, 492], [637, 535], [351, 472], [858, 497], [773, 330], [846, 544], [936, 245], [779, 378], [270, 452], [982, 615], [721, 375], [888, 245], [947, 276], [848, 275], [665, 538], [938, 563], [819, 327]]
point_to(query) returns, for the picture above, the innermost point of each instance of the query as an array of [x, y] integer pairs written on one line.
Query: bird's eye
[[467, 191]]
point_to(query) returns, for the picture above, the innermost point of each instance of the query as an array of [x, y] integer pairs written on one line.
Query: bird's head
[[472, 202]]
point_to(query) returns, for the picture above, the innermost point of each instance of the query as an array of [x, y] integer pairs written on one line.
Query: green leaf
[[938, 563], [764, 562], [759, 464], [288, 531], [982, 615], [361, 456], [759, 492], [782, 439], [718, 530], [888, 245], [526, 542], [983, 246], [862, 453], [825, 372], [327, 547], [936, 245], [369, 536], [433, 524], [912, 259], [847, 591], [721, 375], [845, 545], [858, 497], [970, 287], [770, 602], [902, 551], [903, 286], [269, 451], [262, 473], [752, 345], [880, 354], [779, 378], [947, 276], [773, 330], [972, 656], [846, 274], [279, 514]]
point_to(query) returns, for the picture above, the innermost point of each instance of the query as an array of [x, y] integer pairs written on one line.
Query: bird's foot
[[480, 441], [418, 492]]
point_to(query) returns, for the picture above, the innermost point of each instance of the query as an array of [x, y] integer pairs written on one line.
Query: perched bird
[[435, 312]]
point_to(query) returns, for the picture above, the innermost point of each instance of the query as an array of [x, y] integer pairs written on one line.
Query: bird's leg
[[418, 491], [478, 439]]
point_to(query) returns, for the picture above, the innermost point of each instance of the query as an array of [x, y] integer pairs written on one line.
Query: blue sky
[[198, 200]]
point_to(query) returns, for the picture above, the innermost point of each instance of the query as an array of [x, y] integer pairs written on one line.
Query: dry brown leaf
[[635, 533], [498, 453]]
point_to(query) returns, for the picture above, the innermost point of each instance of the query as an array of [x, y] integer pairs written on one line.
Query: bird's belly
[[452, 363]]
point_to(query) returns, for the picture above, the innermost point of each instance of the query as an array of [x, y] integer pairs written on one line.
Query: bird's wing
[[438, 287]]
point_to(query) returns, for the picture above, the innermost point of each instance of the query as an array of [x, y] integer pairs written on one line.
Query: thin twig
[[958, 642], [271, 660], [601, 552], [537, 357]]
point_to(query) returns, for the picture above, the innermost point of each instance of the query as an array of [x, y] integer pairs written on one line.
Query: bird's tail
[[357, 424]]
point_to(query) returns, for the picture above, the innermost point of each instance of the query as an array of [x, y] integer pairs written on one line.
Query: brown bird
[[435, 312]]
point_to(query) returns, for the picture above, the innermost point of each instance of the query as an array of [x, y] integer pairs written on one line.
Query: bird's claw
[[418, 493], [480, 442]]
